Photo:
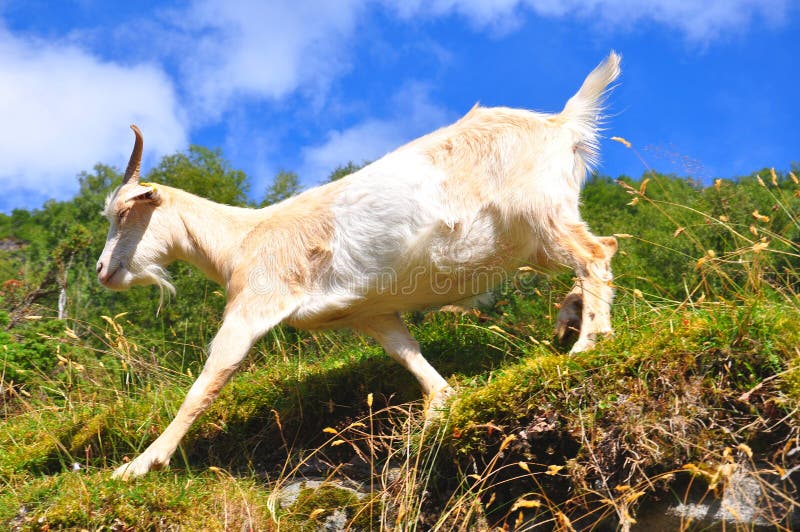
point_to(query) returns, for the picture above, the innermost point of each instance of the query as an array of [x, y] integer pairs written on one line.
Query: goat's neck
[[211, 234]]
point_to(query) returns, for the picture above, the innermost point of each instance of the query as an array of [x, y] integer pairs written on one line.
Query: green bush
[[28, 351]]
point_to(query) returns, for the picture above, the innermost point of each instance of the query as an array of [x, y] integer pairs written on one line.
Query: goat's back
[[446, 217]]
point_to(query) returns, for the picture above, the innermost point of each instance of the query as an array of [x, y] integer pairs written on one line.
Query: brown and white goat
[[439, 220]]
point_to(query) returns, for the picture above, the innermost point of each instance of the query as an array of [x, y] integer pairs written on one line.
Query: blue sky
[[708, 89]]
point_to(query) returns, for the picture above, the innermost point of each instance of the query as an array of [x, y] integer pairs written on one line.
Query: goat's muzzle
[[104, 273]]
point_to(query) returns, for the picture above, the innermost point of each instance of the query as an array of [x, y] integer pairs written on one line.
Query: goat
[[428, 224]]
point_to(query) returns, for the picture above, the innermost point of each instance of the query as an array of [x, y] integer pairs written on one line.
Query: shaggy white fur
[[440, 220]]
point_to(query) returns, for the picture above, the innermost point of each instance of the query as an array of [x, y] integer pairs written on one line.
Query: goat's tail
[[583, 112]]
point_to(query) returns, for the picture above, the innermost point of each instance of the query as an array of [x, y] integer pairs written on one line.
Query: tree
[[347, 169], [95, 188], [203, 172], [284, 185]]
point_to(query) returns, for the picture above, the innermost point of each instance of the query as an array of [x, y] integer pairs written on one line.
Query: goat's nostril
[[99, 267]]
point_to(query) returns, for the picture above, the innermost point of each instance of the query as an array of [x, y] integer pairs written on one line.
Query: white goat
[[429, 224]]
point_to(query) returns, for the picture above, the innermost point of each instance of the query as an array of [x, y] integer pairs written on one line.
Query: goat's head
[[139, 239]]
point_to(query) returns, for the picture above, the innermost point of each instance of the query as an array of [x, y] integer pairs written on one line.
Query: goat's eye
[[122, 214]]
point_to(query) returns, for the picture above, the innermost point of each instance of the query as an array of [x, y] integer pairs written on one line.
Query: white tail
[[583, 112]]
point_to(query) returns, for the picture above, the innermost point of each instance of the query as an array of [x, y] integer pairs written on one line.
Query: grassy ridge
[[702, 377], [665, 392]]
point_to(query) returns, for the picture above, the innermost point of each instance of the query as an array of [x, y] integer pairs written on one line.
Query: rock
[[335, 522], [290, 492], [334, 497], [11, 244], [748, 502]]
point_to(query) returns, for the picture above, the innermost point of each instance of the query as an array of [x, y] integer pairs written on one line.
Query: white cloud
[[698, 21], [64, 110], [414, 115], [267, 50], [238, 51]]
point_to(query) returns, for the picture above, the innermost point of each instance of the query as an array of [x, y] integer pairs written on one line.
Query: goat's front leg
[[390, 331], [226, 352]]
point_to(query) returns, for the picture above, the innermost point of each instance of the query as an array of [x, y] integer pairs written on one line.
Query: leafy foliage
[[345, 170], [284, 185], [203, 172], [29, 350]]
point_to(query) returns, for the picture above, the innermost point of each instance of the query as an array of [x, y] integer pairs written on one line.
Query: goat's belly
[[443, 284], [416, 287], [400, 271]]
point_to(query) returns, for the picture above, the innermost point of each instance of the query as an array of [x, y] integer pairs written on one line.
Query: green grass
[[686, 389], [91, 500], [642, 405], [663, 393]]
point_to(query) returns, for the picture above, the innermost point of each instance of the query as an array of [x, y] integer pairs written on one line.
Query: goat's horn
[[135, 163]]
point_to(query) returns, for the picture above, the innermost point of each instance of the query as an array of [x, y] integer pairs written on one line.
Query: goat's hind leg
[[593, 292], [570, 312], [390, 331]]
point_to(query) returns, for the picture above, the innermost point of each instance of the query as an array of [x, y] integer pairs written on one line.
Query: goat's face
[[139, 240], [137, 245]]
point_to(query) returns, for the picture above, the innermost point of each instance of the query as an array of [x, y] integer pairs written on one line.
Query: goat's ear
[[147, 192]]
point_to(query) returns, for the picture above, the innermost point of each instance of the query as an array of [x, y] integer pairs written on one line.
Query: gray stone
[[337, 520], [746, 503]]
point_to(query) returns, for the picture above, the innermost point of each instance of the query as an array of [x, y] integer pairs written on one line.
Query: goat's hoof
[[436, 403], [583, 344], [138, 467], [587, 342]]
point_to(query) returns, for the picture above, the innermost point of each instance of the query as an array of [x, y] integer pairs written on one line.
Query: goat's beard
[[160, 277]]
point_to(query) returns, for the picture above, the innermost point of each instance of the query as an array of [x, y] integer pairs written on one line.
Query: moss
[[79, 500], [314, 505], [649, 397], [653, 397], [367, 514], [791, 381], [35, 440], [322, 502]]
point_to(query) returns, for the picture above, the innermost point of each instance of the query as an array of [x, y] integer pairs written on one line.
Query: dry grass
[[693, 398]]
